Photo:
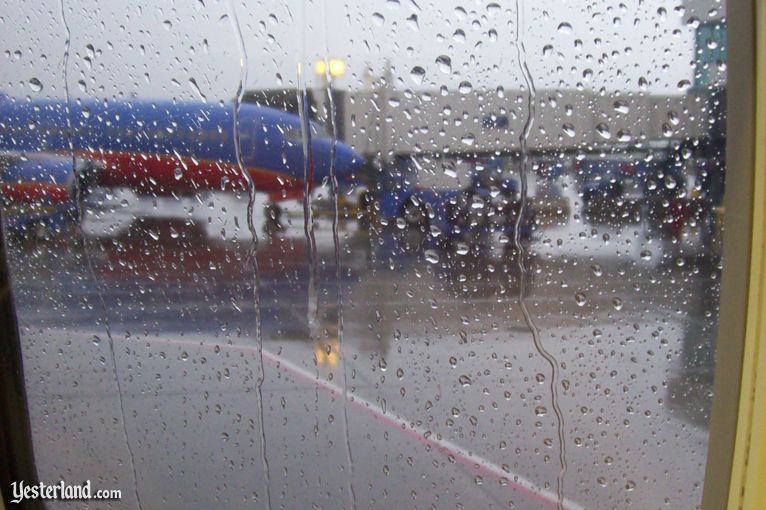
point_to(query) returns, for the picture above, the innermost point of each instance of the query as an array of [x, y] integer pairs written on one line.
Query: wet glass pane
[[413, 254]]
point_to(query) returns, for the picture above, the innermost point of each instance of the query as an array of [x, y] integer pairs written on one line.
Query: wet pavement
[[144, 370]]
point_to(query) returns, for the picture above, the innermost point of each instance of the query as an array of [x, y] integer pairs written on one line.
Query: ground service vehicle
[[481, 198]]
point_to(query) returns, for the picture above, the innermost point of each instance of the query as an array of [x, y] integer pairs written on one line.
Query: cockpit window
[[295, 134]]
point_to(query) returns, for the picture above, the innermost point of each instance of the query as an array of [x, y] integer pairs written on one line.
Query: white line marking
[[460, 455]]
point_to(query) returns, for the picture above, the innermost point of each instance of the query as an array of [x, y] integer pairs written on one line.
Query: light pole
[[327, 70]]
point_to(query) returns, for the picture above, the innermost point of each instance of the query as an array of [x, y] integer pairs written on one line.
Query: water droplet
[[621, 107], [493, 9], [581, 299], [623, 135], [444, 63], [565, 28], [464, 380], [35, 84], [670, 182], [603, 130], [417, 74], [465, 87], [195, 88], [432, 257], [412, 22], [569, 130], [693, 22]]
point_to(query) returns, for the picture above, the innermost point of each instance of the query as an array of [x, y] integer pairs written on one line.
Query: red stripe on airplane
[[30, 192], [166, 174]]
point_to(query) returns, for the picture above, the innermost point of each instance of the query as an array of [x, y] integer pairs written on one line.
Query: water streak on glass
[[308, 214], [86, 252], [254, 234], [336, 251], [521, 252]]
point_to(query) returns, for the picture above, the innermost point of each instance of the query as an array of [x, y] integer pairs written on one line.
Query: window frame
[[736, 453]]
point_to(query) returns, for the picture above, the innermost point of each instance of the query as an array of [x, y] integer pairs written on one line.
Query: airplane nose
[[348, 162]]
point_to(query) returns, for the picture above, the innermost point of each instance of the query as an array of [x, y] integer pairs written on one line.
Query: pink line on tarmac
[[473, 462]]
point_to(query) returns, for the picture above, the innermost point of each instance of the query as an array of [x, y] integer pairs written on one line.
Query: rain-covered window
[[390, 254]]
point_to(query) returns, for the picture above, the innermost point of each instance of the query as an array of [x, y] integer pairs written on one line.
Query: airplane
[[37, 191], [175, 148]]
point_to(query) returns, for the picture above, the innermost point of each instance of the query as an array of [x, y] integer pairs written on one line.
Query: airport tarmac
[[394, 372]]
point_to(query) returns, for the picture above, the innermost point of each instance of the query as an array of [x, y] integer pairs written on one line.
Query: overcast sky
[[190, 49]]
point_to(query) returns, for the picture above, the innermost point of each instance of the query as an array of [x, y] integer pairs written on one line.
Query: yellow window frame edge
[[747, 488], [735, 465]]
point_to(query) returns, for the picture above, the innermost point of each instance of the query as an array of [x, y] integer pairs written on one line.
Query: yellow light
[[337, 67], [319, 355]]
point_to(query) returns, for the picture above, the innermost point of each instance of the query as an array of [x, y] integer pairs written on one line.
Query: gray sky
[[162, 49]]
